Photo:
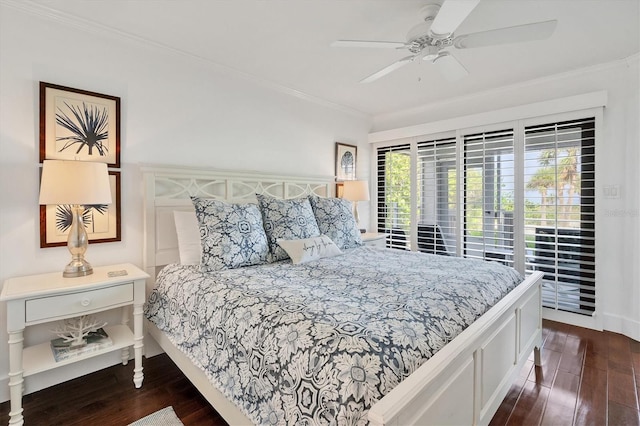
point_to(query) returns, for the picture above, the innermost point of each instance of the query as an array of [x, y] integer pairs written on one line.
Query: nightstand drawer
[[77, 303]]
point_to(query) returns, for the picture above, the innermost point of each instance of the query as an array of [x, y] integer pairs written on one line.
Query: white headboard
[[169, 188]]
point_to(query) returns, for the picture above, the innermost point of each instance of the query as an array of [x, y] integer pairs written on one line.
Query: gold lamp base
[[77, 245]]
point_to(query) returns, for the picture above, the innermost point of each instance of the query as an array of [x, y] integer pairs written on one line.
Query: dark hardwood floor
[[108, 397], [587, 378]]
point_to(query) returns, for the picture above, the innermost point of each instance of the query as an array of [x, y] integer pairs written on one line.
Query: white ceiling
[[287, 42]]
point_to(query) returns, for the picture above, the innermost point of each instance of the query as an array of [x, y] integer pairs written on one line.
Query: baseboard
[[151, 347], [583, 321], [606, 321], [622, 325], [4, 389]]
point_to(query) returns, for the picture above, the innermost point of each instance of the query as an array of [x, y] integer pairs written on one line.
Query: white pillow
[[188, 237], [308, 249]]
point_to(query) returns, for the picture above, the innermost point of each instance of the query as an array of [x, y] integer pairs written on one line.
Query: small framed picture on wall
[[346, 158], [79, 125]]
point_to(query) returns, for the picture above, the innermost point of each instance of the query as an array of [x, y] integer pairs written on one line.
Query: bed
[[464, 382]]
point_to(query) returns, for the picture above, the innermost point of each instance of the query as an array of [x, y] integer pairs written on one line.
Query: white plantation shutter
[[394, 195], [560, 221], [488, 178], [437, 196]]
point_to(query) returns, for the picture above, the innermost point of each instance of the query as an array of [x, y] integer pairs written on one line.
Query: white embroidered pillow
[[308, 249]]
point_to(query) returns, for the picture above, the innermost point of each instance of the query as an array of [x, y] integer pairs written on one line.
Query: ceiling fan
[[431, 39]]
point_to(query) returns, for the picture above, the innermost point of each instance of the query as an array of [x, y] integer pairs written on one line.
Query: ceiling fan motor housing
[[421, 37]]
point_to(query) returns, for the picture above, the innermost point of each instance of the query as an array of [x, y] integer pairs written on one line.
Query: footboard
[[466, 381]]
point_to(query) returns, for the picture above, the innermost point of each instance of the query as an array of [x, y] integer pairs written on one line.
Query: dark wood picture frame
[[53, 218], [65, 116], [346, 160]]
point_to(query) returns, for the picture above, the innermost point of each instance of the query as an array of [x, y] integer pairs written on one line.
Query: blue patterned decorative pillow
[[231, 235], [335, 220], [290, 219]]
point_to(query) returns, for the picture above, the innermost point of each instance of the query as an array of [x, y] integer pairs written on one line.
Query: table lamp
[[78, 184], [354, 191]]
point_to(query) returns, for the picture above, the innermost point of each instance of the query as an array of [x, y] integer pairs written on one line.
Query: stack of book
[[96, 340]]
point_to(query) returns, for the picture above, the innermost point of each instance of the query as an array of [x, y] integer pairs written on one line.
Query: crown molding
[[629, 61], [42, 11]]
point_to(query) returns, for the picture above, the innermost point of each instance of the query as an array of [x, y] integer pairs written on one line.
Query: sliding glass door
[[522, 195], [559, 212]]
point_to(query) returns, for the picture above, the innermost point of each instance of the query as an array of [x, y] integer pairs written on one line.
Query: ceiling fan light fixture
[[430, 53]]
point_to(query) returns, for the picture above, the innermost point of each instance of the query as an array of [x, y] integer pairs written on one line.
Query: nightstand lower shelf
[[39, 358]]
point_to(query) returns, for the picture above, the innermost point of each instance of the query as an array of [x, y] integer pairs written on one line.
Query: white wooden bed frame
[[463, 384]]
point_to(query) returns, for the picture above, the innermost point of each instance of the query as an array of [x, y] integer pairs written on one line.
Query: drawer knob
[[85, 302]]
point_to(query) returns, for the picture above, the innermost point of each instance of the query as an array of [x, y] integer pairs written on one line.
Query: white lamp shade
[[74, 182], [355, 190]]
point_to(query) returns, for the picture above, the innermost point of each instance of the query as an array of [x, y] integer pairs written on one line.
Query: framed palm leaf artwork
[[79, 125], [102, 222]]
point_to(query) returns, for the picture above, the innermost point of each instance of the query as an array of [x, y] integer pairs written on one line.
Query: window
[[437, 197], [394, 195], [463, 201], [488, 196], [559, 212]]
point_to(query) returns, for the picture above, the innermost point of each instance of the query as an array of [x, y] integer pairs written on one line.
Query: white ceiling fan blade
[[450, 67], [517, 34], [451, 15], [367, 43], [386, 70]]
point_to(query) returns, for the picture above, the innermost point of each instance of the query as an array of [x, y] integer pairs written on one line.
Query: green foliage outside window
[[557, 181], [398, 189]]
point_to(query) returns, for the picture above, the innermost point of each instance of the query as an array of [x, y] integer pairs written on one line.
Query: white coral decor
[[74, 330]]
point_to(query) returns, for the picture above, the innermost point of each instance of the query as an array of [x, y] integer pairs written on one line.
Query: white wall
[[618, 220], [179, 110], [175, 110]]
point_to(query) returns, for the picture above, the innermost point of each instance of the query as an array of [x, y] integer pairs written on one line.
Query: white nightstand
[[373, 239], [44, 298]]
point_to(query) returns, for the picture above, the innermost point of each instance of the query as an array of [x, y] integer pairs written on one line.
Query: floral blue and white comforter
[[321, 342]]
